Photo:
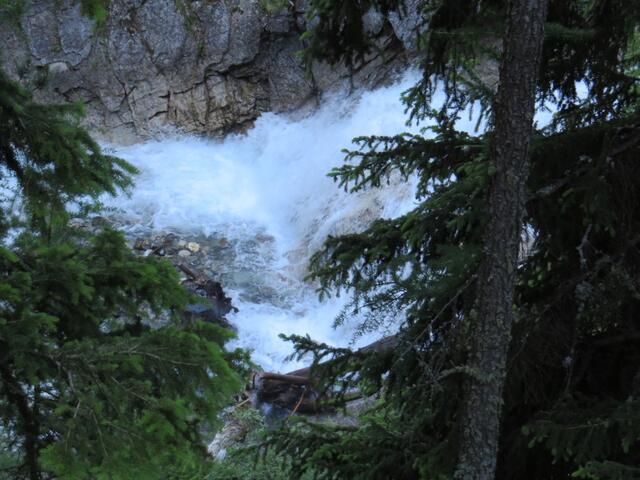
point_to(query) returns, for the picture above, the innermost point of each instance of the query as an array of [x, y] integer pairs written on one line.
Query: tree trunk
[[28, 422], [509, 157]]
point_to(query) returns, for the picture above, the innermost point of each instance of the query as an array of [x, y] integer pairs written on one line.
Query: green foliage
[[588, 433], [97, 10], [370, 450], [99, 375], [9, 460], [566, 412], [274, 6], [53, 159], [250, 459], [11, 10], [116, 398], [250, 465]]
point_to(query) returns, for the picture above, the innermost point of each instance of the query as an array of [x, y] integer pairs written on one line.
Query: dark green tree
[[571, 395], [508, 158], [98, 376]]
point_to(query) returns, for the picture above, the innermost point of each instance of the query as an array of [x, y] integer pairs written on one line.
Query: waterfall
[[264, 196]]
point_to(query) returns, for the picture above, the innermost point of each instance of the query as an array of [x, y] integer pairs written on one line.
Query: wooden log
[[292, 390], [285, 391], [287, 378], [379, 346]]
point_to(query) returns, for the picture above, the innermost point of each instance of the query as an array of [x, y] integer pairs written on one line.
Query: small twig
[[295, 409], [583, 244]]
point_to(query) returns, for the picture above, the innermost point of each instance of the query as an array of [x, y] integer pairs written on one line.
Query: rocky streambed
[[238, 274], [203, 262], [195, 258]]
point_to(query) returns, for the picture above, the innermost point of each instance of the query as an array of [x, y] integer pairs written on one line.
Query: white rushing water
[[265, 197]]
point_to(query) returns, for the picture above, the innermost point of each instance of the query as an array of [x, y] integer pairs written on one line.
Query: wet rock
[[214, 313], [265, 238], [373, 21], [409, 22], [141, 244], [99, 222], [79, 223], [194, 262], [233, 433]]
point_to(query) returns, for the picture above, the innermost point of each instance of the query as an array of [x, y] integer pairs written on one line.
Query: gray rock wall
[[204, 66]]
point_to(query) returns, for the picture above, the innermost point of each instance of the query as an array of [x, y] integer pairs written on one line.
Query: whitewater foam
[[271, 183]]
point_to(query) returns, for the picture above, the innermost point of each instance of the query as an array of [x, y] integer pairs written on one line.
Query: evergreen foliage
[[246, 460], [98, 10], [275, 6], [574, 369], [99, 375]]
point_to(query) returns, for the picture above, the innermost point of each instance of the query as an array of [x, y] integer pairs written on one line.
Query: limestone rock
[[409, 22], [204, 66], [232, 433], [373, 21]]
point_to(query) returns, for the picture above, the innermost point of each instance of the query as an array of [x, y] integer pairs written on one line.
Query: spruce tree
[[99, 378], [571, 391], [508, 157]]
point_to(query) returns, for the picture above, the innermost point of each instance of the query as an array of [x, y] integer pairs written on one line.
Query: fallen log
[[292, 391], [285, 391], [287, 378], [379, 346]]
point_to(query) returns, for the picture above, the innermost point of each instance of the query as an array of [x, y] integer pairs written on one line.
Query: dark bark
[[509, 157], [294, 390], [286, 391], [293, 379], [28, 421]]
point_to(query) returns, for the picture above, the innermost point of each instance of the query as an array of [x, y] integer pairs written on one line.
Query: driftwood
[[293, 391]]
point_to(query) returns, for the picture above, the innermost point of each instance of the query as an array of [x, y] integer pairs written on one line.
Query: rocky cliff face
[[204, 66]]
